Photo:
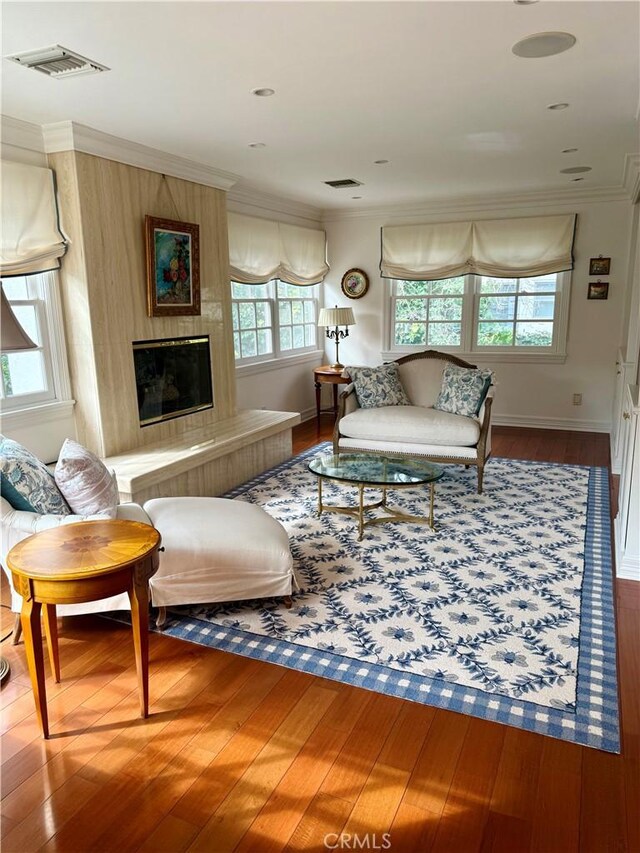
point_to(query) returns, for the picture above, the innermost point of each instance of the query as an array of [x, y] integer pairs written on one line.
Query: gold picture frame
[[355, 283], [173, 267]]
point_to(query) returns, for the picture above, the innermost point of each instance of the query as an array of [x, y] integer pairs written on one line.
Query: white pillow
[[86, 484]]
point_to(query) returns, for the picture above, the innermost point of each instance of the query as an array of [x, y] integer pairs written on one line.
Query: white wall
[[527, 394], [285, 389]]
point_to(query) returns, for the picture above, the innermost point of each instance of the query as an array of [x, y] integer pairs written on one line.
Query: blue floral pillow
[[26, 483], [378, 386], [463, 390]]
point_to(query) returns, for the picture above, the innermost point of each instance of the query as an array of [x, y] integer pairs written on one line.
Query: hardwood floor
[[247, 756]]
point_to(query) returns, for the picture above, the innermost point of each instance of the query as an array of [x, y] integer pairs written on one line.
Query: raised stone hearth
[[207, 460]]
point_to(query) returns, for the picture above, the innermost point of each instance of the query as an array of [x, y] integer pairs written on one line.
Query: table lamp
[[13, 338], [337, 317]]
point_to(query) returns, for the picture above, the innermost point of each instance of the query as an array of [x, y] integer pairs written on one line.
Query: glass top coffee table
[[374, 470]]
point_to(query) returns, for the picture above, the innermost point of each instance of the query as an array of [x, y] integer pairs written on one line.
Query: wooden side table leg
[[51, 633], [17, 630], [30, 618], [318, 387], [335, 401], [139, 598]]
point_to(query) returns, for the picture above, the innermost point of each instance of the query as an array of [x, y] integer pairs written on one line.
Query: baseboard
[[308, 414], [629, 570], [550, 423]]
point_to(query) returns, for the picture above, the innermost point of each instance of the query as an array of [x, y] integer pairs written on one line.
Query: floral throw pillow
[[378, 386], [463, 390], [27, 483]]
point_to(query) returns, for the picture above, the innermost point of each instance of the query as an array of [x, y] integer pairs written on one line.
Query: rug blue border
[[595, 720]]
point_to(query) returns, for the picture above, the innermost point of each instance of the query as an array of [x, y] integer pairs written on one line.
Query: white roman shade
[[31, 239], [504, 248], [261, 250]]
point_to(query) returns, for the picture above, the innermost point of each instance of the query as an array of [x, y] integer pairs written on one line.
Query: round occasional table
[[83, 562], [327, 375], [373, 470]]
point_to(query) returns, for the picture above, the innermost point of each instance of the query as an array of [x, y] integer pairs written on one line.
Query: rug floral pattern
[[504, 612], [490, 600]]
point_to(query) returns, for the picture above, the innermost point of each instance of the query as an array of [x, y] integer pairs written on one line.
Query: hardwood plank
[[603, 815], [430, 781], [41, 824], [276, 822], [243, 741], [237, 811], [172, 835], [466, 808], [556, 815], [350, 770], [413, 828], [322, 822], [376, 807], [514, 791]]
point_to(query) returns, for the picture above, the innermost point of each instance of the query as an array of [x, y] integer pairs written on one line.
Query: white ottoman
[[216, 549]]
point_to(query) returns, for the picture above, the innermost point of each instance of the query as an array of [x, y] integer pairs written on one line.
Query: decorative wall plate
[[355, 283]]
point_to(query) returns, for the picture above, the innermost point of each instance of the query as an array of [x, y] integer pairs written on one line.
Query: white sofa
[[418, 429], [215, 549]]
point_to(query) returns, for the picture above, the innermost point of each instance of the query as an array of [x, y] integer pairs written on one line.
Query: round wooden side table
[[332, 376], [81, 562]]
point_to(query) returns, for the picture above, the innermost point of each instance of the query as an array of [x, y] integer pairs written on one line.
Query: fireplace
[[173, 378]]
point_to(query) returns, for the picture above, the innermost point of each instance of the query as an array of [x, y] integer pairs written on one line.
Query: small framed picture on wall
[[599, 266], [598, 290]]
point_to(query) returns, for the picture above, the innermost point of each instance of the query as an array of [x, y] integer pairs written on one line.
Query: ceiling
[[433, 87]]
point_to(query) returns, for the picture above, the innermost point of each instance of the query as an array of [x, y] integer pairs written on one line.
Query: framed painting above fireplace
[[173, 267]]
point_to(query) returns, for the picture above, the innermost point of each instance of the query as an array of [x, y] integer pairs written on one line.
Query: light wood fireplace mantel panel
[[103, 205]]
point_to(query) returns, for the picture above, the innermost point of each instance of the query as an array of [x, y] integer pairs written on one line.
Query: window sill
[[492, 357], [40, 414], [278, 363]]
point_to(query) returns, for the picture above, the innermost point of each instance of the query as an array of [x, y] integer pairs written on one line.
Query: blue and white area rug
[[504, 612]]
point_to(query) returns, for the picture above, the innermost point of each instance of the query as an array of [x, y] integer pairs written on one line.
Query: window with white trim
[[273, 320], [478, 314], [39, 375]]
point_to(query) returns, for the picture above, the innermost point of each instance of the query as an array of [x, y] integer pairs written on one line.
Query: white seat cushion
[[411, 424], [218, 550]]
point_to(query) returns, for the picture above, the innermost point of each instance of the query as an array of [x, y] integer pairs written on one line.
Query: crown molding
[[631, 176], [70, 136], [551, 198], [244, 198], [21, 134]]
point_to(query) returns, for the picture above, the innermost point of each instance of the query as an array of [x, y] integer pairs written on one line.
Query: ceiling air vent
[[57, 61], [344, 183]]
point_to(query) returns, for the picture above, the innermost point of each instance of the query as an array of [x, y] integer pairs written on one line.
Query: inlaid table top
[[83, 550]]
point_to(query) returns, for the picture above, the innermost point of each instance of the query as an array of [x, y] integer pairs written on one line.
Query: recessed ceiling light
[[577, 179], [569, 150], [263, 92], [575, 170], [380, 162], [560, 106], [543, 44], [257, 145]]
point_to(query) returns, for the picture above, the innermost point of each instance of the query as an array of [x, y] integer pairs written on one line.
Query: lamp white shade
[[336, 317], [13, 337]]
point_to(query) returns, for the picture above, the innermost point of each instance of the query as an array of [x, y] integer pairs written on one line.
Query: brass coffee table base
[[392, 514]]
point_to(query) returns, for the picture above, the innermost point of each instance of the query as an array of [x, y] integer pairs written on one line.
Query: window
[[30, 377], [273, 320], [521, 317]]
